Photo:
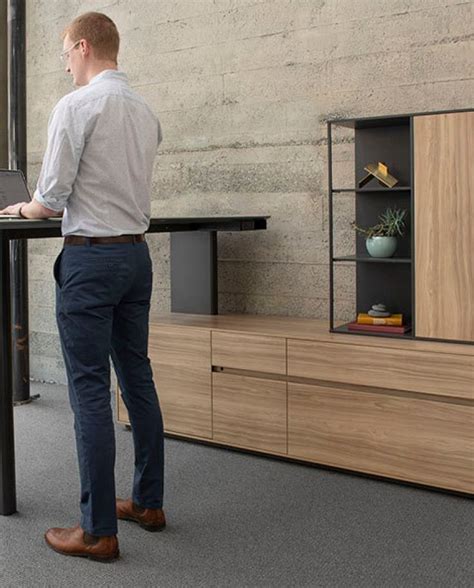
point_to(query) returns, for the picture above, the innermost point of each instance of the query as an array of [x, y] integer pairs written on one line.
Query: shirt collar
[[109, 74]]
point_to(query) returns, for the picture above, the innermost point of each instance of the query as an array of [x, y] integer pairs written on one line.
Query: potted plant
[[381, 239]]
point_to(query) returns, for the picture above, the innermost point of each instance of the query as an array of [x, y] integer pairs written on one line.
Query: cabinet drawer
[[181, 362], [249, 412], [418, 371], [185, 399], [413, 439], [249, 352], [180, 346]]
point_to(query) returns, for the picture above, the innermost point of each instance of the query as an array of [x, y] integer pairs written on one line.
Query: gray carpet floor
[[234, 520]]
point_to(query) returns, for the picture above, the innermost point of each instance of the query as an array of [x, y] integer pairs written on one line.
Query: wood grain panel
[[122, 414], [185, 396], [444, 218], [185, 401], [416, 440], [250, 352], [181, 363], [388, 428], [299, 328], [432, 373], [249, 412], [180, 346]]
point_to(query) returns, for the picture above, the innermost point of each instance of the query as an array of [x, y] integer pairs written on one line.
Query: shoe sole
[[149, 528], [109, 559]]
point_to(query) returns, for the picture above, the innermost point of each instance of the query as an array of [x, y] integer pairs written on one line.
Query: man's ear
[[85, 47]]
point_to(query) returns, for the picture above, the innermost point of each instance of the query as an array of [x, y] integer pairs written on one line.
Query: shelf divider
[[367, 259], [369, 190]]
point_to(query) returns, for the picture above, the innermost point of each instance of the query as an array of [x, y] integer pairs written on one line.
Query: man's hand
[[31, 209], [13, 209]]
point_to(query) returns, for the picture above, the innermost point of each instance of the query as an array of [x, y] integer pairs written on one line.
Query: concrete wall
[[243, 89]]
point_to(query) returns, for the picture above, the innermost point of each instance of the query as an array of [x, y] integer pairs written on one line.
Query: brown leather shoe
[[77, 542], [150, 519]]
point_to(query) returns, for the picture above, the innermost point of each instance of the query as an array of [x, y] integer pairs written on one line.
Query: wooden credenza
[[402, 409]]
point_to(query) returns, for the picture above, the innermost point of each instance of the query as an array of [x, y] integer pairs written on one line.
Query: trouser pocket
[[57, 269]]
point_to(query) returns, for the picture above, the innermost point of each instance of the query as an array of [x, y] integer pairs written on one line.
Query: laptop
[[14, 189]]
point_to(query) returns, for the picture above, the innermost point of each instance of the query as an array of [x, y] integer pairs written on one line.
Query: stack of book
[[390, 324]]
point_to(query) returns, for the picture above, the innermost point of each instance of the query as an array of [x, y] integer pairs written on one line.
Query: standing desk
[[193, 273]]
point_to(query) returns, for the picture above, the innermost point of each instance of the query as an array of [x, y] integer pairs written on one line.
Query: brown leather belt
[[79, 240]]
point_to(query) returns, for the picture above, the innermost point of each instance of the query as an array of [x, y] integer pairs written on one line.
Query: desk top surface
[[18, 228]]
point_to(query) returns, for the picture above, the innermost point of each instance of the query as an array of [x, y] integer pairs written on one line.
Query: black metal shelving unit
[[388, 139], [387, 280]]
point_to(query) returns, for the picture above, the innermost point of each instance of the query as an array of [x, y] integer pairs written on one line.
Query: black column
[[7, 448], [17, 160]]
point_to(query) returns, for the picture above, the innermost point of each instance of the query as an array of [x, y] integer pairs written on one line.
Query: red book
[[379, 328]]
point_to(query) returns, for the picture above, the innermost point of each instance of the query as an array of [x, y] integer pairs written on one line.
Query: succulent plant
[[391, 223]]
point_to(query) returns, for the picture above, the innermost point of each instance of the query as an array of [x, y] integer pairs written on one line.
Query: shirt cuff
[[37, 196]]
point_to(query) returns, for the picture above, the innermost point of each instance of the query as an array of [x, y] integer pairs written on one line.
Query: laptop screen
[[13, 188]]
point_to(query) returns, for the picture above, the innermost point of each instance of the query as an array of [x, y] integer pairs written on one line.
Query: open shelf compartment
[[378, 280]]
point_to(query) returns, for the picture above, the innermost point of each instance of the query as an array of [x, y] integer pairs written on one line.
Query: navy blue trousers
[[103, 296]]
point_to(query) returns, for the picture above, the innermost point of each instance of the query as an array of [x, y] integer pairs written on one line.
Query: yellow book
[[366, 319]]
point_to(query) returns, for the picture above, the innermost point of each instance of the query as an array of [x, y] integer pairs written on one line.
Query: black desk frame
[[193, 290]]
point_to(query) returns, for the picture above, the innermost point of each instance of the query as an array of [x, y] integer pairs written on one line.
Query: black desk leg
[[193, 272], [7, 447]]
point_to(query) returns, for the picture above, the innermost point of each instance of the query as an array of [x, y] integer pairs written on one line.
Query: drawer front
[[180, 346], [186, 400], [249, 412], [249, 352], [418, 371], [181, 363], [410, 439]]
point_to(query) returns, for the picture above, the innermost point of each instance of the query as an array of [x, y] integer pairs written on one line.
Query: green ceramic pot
[[381, 246]]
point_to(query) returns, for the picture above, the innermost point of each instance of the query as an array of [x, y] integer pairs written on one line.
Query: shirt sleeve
[[66, 140]]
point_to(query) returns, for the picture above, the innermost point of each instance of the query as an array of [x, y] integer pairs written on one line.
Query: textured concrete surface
[[243, 89]]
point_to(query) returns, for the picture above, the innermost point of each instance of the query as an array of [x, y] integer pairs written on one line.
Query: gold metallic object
[[380, 172]]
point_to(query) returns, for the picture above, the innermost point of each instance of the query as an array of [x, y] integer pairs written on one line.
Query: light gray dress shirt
[[98, 165]]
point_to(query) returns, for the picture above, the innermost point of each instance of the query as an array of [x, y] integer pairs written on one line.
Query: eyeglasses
[[65, 54]]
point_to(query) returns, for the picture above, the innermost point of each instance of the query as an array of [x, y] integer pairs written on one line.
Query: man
[[97, 172]]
